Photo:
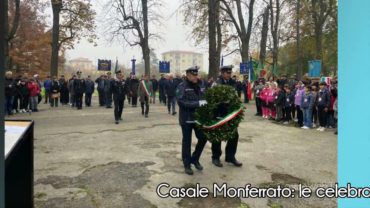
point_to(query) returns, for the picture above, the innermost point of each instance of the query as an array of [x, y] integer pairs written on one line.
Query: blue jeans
[[8, 104], [307, 117]]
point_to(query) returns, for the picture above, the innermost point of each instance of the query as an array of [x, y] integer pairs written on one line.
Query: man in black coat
[[161, 85], [100, 81], [155, 89], [119, 88], [232, 143], [79, 89], [9, 92], [90, 88], [170, 90], [190, 96], [64, 92], [108, 90]]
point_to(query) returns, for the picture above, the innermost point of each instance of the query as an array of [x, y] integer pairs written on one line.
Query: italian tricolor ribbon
[[145, 87], [223, 121]]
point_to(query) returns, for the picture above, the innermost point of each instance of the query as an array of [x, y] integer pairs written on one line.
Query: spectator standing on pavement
[[47, 87], [90, 88], [54, 92], [34, 90], [170, 90], [155, 89]]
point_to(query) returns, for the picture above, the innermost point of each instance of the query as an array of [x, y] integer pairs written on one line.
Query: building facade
[[181, 60]]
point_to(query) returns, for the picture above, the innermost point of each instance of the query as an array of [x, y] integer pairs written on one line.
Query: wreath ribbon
[[145, 86], [223, 121]]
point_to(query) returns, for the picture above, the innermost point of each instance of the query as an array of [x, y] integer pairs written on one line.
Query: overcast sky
[[174, 33]]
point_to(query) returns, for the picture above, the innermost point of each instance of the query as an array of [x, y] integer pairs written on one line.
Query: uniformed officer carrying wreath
[[232, 143], [119, 88], [190, 96]]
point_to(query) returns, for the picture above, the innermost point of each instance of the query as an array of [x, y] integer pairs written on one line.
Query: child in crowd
[[298, 101], [288, 104], [24, 98], [314, 110], [323, 104], [270, 101], [307, 104], [279, 103], [34, 90], [263, 97]]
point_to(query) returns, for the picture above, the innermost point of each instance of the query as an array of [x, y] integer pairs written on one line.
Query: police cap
[[228, 68], [193, 70]]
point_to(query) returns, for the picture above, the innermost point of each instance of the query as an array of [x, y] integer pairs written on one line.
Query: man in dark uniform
[[100, 81], [161, 85], [108, 90], [232, 143], [190, 95], [119, 88], [79, 89]]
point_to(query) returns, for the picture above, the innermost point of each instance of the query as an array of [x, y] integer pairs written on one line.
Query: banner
[[104, 65], [164, 67], [314, 68]]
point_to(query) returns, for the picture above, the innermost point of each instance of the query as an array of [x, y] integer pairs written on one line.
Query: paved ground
[[82, 159]]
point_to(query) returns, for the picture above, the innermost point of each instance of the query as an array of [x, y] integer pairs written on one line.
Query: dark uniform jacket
[[9, 87], [134, 84], [188, 96], [323, 98], [280, 98], [55, 86], [90, 86], [155, 84], [170, 87], [289, 99], [78, 86], [119, 88]]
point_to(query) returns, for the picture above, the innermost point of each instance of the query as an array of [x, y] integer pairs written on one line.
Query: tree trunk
[[265, 28], [219, 35], [146, 49], [212, 36], [6, 31], [274, 24], [299, 55], [56, 6]]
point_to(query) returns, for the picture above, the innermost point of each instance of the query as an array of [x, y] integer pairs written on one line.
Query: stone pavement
[[83, 159]]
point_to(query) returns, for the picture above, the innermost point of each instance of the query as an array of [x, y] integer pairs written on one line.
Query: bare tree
[[130, 21], [264, 34], [274, 29], [243, 30], [299, 53], [11, 30]]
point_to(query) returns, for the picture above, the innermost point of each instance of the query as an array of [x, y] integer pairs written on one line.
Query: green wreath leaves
[[225, 97]]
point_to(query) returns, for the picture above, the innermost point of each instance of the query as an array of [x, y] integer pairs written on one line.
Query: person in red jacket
[[34, 91], [263, 96]]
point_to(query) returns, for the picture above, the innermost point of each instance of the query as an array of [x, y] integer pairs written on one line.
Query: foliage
[[225, 97]]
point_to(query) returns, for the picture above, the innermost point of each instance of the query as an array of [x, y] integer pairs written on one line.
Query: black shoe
[[142, 112], [235, 162], [117, 121], [146, 115], [120, 119], [217, 162], [197, 165], [189, 171], [174, 113]]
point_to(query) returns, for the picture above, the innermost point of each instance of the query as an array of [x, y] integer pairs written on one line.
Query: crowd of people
[[307, 102]]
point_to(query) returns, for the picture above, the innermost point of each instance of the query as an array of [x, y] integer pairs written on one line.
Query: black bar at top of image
[[2, 96]]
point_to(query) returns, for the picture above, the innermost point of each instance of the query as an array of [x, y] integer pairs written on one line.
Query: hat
[[119, 71], [193, 70], [228, 68]]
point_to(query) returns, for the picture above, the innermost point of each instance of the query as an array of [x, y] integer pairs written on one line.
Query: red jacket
[[33, 88]]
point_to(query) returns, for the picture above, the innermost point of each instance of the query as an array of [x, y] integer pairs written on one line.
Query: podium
[[19, 164]]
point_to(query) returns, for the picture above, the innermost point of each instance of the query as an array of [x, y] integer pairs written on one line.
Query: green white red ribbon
[[223, 121], [145, 86]]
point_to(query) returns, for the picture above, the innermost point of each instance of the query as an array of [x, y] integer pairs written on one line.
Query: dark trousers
[[162, 97], [54, 102], [47, 96], [239, 93], [187, 157], [146, 104], [15, 102], [108, 98], [231, 146], [78, 100], [245, 92], [293, 111], [118, 108], [323, 116], [133, 101], [8, 104], [259, 106], [64, 97], [288, 114], [299, 115], [88, 99], [24, 102], [101, 97], [171, 102], [314, 115]]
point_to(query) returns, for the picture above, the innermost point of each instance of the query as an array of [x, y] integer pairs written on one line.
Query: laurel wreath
[[215, 127]]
